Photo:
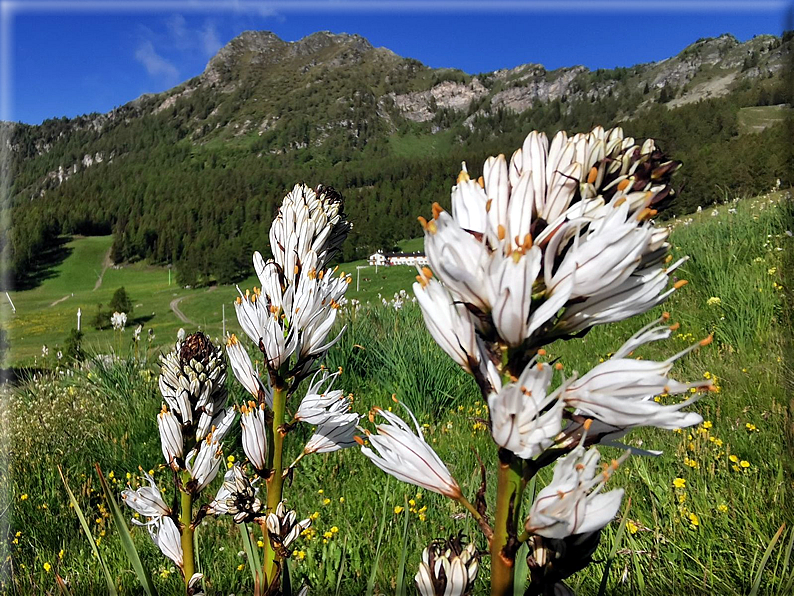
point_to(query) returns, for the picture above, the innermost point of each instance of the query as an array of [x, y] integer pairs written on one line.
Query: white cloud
[[155, 64], [210, 42]]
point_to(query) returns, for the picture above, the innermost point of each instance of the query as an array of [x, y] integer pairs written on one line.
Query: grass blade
[[401, 570], [126, 538], [251, 554], [341, 567], [764, 559], [521, 569], [602, 589], [373, 573], [108, 578]]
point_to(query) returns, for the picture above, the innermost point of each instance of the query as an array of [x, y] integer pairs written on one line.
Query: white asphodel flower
[[641, 291], [118, 320], [600, 258], [167, 538], [260, 321], [244, 371], [321, 402], [171, 439], [452, 327], [524, 419], [333, 435], [254, 422], [407, 456], [237, 497], [447, 569], [147, 500], [282, 527], [572, 503], [619, 392], [203, 463]]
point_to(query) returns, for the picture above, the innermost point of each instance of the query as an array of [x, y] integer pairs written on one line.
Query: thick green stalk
[[186, 517], [508, 502], [275, 484]]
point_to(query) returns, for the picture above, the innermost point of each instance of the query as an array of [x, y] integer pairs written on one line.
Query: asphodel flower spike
[[398, 451]]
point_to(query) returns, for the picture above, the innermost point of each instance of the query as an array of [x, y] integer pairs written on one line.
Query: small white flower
[[334, 434], [572, 503], [407, 456], [524, 419], [619, 392], [170, 437], [244, 371], [320, 402], [147, 500], [282, 528], [203, 463], [452, 328], [253, 422], [136, 335], [167, 538], [118, 320]]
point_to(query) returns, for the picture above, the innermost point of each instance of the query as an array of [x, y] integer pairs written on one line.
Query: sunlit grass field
[[712, 515]]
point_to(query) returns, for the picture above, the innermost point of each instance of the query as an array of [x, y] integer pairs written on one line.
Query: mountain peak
[[265, 48]]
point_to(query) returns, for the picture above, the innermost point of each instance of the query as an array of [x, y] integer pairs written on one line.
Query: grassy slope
[[756, 119], [39, 322]]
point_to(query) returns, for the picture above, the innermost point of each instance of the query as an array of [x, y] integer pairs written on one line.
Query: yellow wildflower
[[694, 522], [632, 527], [679, 483], [733, 458], [47, 567], [744, 463], [398, 510], [722, 508]]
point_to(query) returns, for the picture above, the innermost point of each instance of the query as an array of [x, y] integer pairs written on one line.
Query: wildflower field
[[711, 515]]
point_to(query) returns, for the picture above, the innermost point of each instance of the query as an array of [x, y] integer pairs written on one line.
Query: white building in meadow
[[381, 259]]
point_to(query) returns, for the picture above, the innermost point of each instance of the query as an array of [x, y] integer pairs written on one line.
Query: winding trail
[[180, 315], [59, 300], [106, 262]]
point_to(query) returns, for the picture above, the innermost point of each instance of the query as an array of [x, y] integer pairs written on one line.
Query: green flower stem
[[481, 521], [186, 517], [275, 483], [508, 495]]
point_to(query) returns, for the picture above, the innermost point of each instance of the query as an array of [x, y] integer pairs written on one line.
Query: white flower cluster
[[118, 320], [294, 310], [192, 424]]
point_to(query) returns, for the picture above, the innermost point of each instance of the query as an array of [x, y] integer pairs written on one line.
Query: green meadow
[[712, 515], [45, 315]]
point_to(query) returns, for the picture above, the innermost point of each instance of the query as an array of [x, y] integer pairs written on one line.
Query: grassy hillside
[[45, 315]]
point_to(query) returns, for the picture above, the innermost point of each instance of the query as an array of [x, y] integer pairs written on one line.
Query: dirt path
[[180, 315], [59, 300], [106, 262]]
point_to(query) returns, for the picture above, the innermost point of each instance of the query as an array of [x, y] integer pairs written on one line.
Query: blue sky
[[69, 59]]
